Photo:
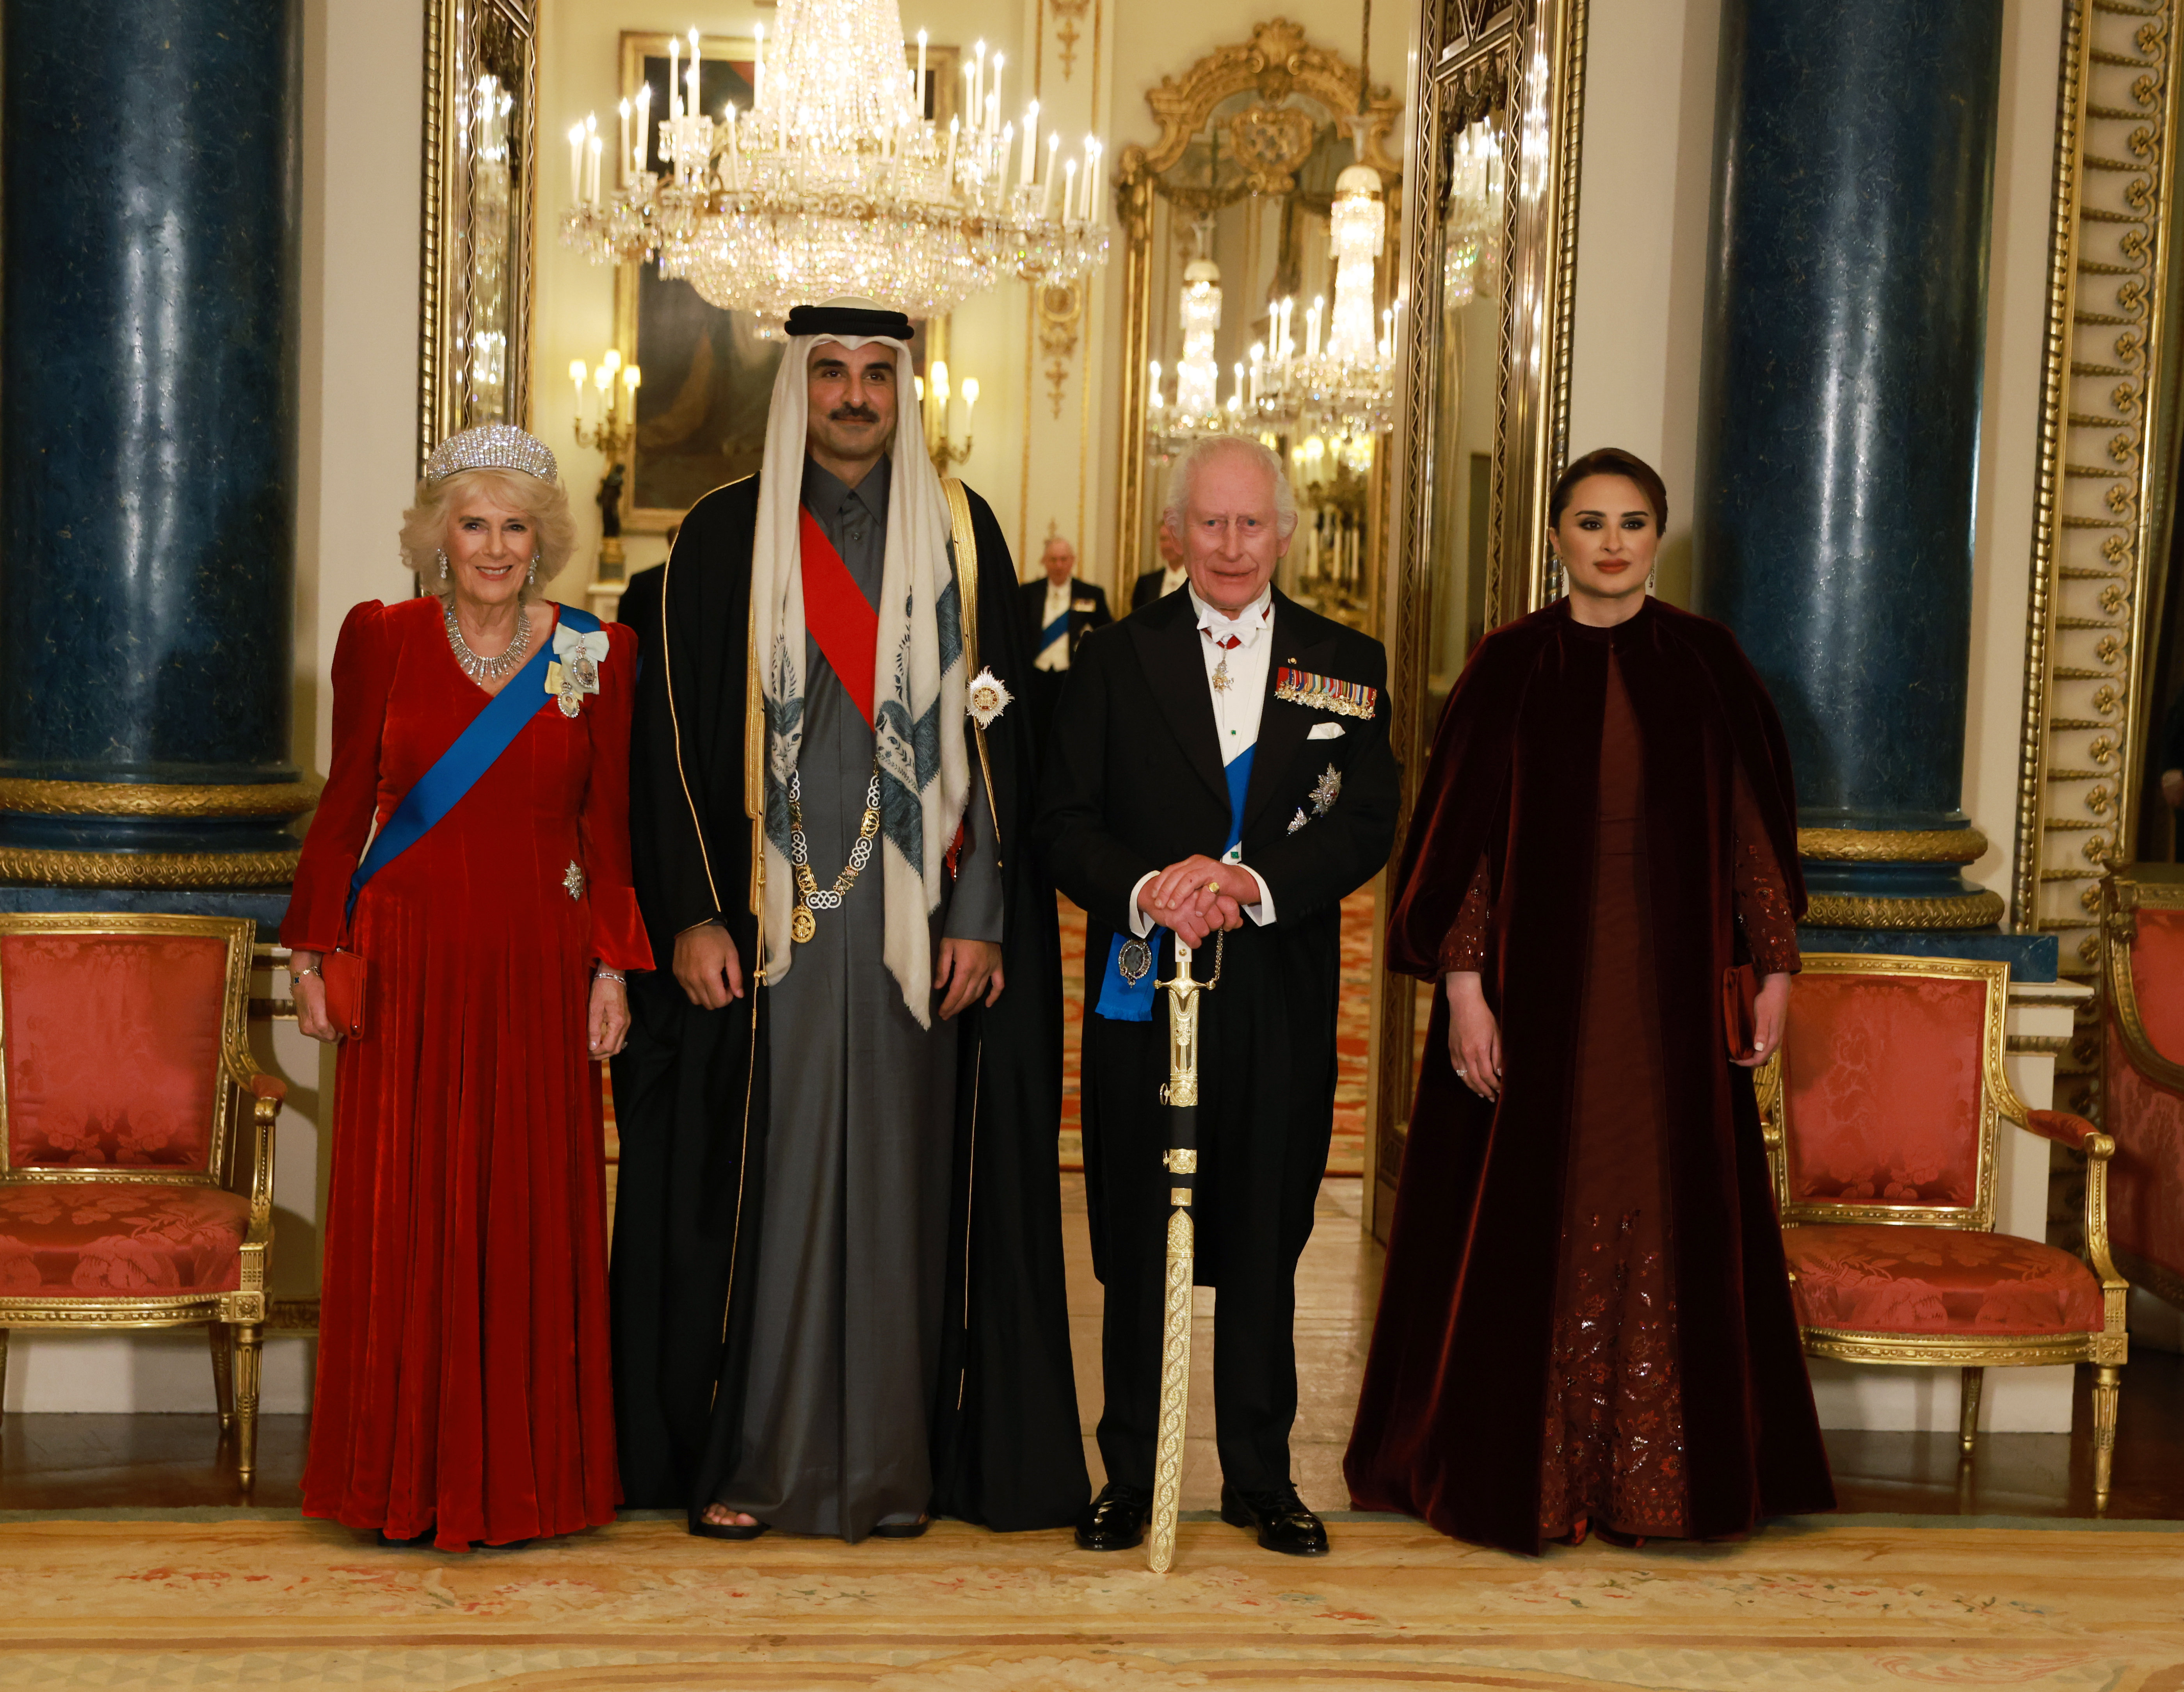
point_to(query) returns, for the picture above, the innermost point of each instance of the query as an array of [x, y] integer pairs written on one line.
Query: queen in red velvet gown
[[1585, 1319], [463, 1383]]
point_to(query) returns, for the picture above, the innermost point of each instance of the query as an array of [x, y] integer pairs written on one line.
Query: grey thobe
[[860, 1140]]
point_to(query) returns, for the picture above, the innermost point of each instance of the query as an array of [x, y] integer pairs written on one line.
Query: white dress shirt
[[1239, 699], [1054, 654]]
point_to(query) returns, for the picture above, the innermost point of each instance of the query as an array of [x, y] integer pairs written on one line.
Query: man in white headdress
[[838, 1266]]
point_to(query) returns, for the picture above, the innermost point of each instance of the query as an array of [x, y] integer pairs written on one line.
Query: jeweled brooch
[[573, 879], [986, 698], [1325, 791]]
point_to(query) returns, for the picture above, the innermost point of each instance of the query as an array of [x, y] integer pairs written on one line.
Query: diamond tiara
[[491, 446]]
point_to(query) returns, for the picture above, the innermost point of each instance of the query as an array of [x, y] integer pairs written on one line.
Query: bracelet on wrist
[[295, 974], [608, 975]]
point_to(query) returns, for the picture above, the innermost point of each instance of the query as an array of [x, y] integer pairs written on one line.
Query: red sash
[[837, 615]]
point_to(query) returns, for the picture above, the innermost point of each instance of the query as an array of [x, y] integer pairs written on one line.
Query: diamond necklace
[[487, 669], [804, 925]]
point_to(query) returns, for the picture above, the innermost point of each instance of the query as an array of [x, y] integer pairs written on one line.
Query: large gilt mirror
[[481, 195], [1229, 212], [1489, 239]]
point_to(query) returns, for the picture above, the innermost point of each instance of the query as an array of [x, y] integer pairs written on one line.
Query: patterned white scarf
[[917, 687]]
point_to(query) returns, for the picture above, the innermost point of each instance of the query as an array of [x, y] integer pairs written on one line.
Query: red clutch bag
[[342, 972], [1740, 1008]]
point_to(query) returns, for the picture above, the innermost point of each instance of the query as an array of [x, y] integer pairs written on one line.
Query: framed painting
[[708, 373]]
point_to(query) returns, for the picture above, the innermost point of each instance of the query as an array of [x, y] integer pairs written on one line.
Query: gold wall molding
[[1844, 910], [156, 798], [1891, 845], [154, 870], [2102, 497], [1471, 57]]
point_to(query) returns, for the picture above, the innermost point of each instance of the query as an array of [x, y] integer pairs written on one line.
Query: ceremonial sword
[[1180, 1095]]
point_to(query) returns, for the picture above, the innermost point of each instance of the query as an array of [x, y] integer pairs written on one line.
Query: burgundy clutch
[[1740, 1008], [342, 972]]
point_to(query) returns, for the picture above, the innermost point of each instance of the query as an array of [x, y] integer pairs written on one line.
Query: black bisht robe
[[691, 1092], [1451, 1418]]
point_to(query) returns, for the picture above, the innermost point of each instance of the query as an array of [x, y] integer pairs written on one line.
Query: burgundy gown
[[1608, 1439], [463, 1385]]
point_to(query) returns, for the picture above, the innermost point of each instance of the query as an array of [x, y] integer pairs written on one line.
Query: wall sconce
[[934, 399], [614, 407]]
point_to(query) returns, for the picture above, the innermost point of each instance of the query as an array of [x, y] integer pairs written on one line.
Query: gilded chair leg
[[3, 1367], [223, 1375], [2108, 1385], [1968, 1415], [247, 1338]]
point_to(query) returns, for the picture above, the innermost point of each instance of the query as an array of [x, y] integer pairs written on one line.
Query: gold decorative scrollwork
[[161, 869], [1891, 846], [156, 798], [2101, 504], [1844, 910]]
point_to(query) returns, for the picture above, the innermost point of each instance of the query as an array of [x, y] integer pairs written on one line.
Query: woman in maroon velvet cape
[[1585, 1319]]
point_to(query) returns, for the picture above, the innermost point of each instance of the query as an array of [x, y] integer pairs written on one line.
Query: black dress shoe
[[1283, 1522], [902, 1530], [1116, 1520]]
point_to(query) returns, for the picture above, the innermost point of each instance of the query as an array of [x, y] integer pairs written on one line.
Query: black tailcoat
[[1133, 783], [1007, 1447], [1046, 684]]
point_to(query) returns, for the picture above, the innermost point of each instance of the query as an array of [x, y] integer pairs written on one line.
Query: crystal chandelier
[[835, 182], [1472, 219], [1345, 385]]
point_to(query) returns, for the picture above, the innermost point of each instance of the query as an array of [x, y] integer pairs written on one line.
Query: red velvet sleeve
[[1763, 896], [618, 941], [363, 672], [1464, 946]]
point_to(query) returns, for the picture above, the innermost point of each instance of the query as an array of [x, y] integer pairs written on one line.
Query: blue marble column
[[148, 443], [1846, 335]]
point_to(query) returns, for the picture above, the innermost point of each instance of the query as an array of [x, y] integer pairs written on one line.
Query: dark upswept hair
[[1612, 461]]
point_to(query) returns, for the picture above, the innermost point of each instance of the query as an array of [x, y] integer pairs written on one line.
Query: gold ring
[[1213, 886]]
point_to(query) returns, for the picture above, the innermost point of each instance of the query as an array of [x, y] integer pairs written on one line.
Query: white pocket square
[[1325, 731]]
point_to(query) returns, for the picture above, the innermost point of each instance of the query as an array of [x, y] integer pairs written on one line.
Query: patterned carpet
[[1827, 1607], [1353, 1028]]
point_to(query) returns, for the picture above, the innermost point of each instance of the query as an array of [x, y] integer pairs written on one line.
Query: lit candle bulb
[[1069, 191], [757, 68], [612, 362], [970, 399], [955, 128], [920, 101], [691, 105], [1030, 145], [631, 378], [1046, 188], [577, 163], [576, 374], [1157, 402], [675, 74], [621, 154], [1098, 174], [977, 69], [593, 146], [643, 146], [994, 96], [1258, 353], [1311, 326]]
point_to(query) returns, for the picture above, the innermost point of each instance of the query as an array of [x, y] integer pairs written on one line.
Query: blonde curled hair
[[544, 504]]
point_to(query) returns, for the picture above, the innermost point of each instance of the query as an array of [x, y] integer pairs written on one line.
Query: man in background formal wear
[[1059, 612], [1219, 770], [1155, 584]]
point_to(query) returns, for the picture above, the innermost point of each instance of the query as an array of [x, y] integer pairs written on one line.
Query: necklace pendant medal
[[803, 925], [1137, 957], [1220, 678]]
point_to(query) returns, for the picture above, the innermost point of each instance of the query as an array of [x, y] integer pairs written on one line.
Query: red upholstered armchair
[[2142, 1072], [136, 1138], [1882, 1112]]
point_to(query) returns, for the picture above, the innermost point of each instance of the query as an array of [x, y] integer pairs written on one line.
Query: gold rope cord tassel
[[1175, 1392]]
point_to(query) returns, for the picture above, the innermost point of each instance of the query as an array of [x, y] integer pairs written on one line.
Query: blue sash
[[491, 733], [1122, 1000], [1054, 630]]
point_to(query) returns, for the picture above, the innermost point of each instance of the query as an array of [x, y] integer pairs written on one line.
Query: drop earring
[[442, 557], [530, 576], [1653, 577]]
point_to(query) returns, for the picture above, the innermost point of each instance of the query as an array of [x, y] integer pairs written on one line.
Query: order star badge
[[573, 879], [986, 698], [1325, 791]]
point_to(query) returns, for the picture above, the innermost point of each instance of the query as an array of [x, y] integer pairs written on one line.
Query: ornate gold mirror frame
[[1521, 68], [1268, 140], [2102, 540], [480, 160]]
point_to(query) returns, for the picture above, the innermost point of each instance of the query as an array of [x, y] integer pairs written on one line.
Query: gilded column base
[[1853, 911], [51, 867]]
